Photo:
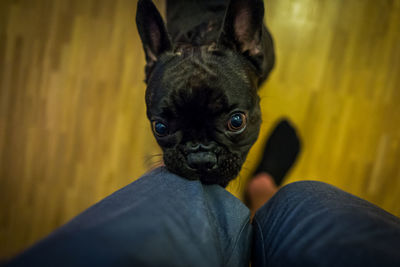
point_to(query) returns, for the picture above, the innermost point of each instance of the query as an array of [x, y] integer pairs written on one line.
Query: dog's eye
[[237, 122], [160, 128]]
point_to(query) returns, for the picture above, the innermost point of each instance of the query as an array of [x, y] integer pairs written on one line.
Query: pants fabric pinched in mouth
[[164, 220]]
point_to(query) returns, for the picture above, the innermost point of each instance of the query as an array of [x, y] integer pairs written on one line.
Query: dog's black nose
[[202, 160]]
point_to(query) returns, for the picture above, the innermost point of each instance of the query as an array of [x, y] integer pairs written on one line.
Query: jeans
[[165, 220]]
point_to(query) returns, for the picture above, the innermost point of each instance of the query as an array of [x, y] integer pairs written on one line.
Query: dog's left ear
[[243, 26], [153, 33]]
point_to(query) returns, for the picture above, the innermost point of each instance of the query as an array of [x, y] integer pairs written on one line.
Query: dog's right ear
[[153, 33], [242, 29]]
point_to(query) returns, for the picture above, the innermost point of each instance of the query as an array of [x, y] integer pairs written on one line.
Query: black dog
[[202, 82]]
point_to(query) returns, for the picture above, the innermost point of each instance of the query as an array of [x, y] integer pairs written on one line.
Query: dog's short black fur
[[202, 77]]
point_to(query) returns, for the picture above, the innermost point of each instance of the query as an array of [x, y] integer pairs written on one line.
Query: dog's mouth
[[210, 167]]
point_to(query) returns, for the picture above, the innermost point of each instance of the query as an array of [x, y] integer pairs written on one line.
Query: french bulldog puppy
[[202, 73]]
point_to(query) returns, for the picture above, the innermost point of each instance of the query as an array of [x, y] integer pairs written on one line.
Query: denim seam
[[236, 242], [255, 222], [211, 218]]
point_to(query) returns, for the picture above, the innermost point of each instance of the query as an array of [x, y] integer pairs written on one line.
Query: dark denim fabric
[[164, 220], [314, 224], [159, 220]]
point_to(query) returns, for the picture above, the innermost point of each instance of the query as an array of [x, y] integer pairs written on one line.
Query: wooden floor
[[72, 113]]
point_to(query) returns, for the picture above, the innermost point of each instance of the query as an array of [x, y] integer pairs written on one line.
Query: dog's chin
[[214, 176], [227, 169]]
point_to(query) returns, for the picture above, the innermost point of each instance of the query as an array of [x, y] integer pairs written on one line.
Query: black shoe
[[280, 151]]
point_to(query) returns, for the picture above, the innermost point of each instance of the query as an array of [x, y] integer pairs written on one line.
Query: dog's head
[[202, 101]]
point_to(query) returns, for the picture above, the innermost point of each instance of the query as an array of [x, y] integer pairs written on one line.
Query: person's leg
[[314, 224], [260, 189], [159, 220], [279, 155]]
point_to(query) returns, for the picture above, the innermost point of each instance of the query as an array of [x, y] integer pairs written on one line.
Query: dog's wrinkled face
[[204, 112], [201, 101]]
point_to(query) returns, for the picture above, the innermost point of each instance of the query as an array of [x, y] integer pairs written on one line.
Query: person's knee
[[306, 189], [301, 186], [299, 197]]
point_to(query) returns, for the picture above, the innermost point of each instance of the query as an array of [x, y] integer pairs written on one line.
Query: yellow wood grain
[[72, 115]]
